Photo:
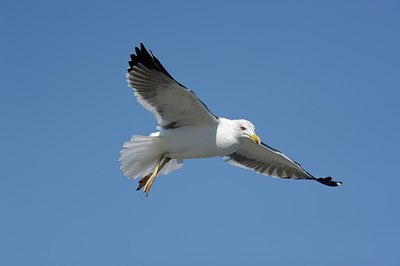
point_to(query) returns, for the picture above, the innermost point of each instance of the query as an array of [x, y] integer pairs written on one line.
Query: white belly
[[196, 142]]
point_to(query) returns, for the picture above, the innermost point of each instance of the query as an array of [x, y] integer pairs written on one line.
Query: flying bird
[[187, 129]]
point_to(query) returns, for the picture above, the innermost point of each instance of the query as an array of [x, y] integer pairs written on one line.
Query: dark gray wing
[[269, 161], [172, 104]]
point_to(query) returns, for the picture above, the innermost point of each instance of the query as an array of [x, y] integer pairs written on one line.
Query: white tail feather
[[140, 155]]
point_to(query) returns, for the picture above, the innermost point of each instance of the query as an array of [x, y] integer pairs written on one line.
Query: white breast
[[198, 141]]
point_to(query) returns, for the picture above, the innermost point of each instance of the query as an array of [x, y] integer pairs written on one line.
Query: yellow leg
[[150, 178]]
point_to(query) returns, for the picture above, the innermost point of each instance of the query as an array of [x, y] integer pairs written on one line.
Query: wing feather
[[172, 104], [268, 161]]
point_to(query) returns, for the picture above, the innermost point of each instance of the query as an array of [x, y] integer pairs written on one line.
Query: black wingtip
[[327, 181], [142, 56]]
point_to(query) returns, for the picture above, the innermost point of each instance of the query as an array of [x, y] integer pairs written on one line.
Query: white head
[[246, 130]]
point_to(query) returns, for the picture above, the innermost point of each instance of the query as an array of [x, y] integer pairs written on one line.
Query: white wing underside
[[266, 161], [172, 104]]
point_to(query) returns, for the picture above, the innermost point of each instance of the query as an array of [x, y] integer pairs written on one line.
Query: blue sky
[[319, 79]]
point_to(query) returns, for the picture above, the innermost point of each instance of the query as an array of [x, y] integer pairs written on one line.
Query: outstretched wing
[[269, 161], [172, 104]]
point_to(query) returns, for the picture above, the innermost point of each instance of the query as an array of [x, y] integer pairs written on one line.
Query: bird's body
[[188, 130], [211, 141]]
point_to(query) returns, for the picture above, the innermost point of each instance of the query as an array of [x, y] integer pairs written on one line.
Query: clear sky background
[[319, 79]]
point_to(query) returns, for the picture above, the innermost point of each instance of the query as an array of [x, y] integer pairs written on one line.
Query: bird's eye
[[242, 128]]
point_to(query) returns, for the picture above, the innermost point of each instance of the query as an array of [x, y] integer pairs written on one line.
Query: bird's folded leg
[[148, 180], [143, 181]]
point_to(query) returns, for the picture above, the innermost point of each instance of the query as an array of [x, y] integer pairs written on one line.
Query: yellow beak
[[255, 138]]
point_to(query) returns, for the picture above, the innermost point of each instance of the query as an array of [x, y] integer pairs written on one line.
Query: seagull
[[188, 130]]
